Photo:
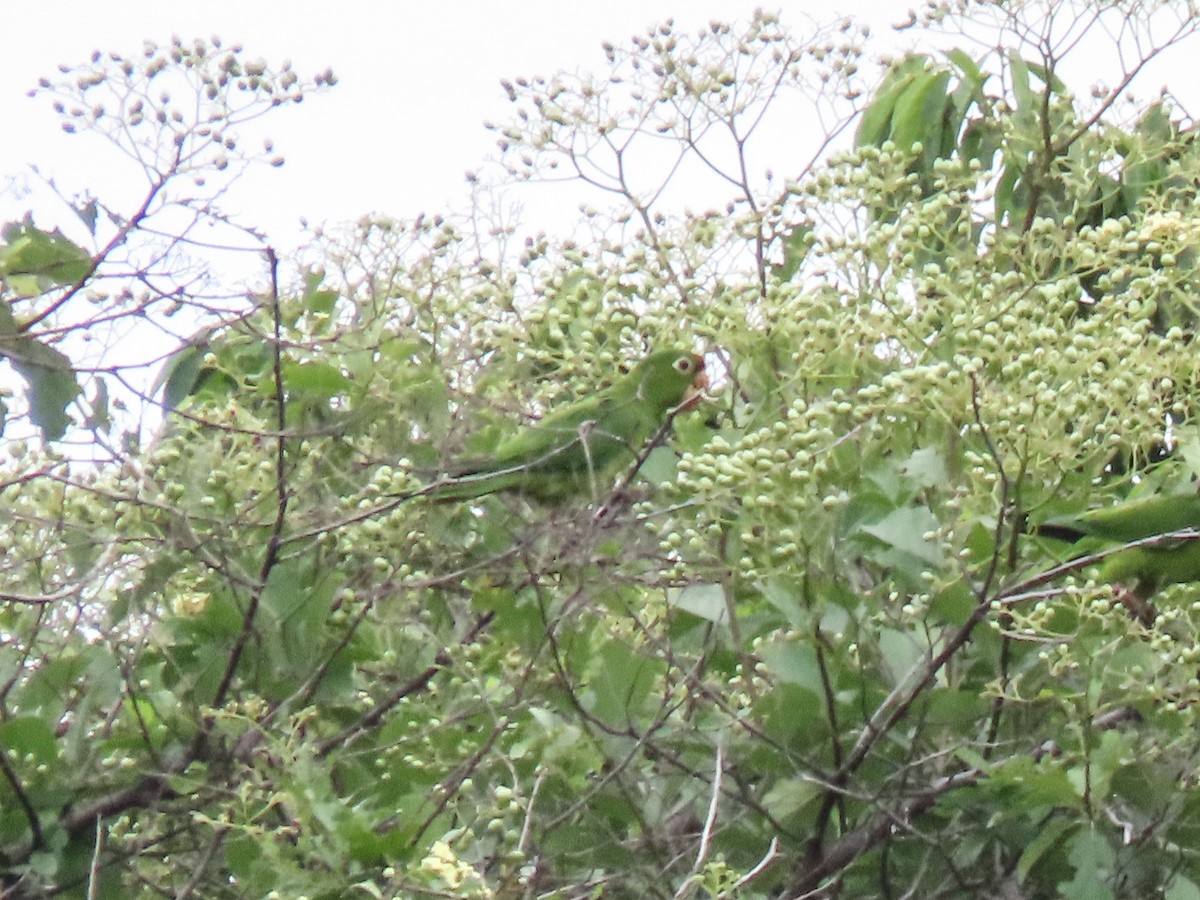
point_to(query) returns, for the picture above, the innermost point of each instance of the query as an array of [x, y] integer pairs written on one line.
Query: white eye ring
[[683, 364]]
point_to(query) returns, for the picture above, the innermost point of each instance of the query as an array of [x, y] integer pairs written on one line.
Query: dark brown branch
[[857, 842], [281, 491], [146, 792]]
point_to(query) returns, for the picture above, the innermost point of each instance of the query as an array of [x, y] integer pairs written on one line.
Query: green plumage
[[1144, 569], [573, 450]]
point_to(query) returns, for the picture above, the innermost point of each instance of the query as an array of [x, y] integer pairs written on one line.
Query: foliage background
[[813, 651]]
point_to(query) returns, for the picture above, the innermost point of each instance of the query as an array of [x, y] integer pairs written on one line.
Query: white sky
[[415, 82]]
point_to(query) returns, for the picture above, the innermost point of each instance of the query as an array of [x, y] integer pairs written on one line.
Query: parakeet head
[[671, 378]]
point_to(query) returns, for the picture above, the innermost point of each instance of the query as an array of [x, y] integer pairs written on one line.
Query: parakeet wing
[[1171, 563], [1144, 569], [1132, 520]]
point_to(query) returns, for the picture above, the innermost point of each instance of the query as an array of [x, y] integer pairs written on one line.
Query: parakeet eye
[[684, 364]]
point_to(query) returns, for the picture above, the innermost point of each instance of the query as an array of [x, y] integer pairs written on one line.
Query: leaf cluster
[[810, 647]]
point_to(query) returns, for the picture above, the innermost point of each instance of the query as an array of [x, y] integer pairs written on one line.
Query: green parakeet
[[573, 449], [1143, 570]]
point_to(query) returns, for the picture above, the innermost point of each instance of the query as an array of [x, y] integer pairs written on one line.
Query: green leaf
[[901, 652], [517, 616], [794, 662], [321, 301], [621, 682], [99, 417], [793, 715], [876, 126], [903, 529], [50, 379], [1048, 78], [786, 599], [1093, 858], [954, 603], [49, 257], [790, 795], [29, 735], [179, 374], [926, 467], [1006, 192], [1026, 99], [972, 75], [317, 378], [1031, 785], [796, 246], [913, 120], [296, 609], [660, 466], [704, 600], [242, 854], [1051, 835]]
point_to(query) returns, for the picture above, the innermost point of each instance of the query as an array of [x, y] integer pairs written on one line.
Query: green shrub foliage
[[814, 648]]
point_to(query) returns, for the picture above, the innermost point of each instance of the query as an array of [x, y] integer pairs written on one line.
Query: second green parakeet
[[571, 450], [1145, 569]]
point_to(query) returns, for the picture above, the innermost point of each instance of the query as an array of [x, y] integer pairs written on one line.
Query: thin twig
[[769, 857], [713, 804], [706, 833], [526, 825], [93, 887]]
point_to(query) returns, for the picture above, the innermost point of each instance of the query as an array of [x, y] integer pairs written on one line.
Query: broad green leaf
[[517, 616], [1048, 78], [659, 467], [783, 596], [294, 608], [914, 120], [241, 855], [1033, 785], [971, 73], [50, 379], [50, 257], [905, 528], [316, 378], [795, 662], [1093, 858], [620, 683], [926, 466], [793, 715], [901, 652], [321, 301], [954, 603], [179, 373], [789, 795], [704, 600], [1026, 99], [1051, 835], [29, 735], [1006, 193], [876, 126]]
